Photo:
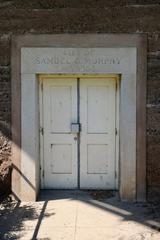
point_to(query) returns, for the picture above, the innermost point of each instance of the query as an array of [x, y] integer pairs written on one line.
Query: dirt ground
[[79, 215]]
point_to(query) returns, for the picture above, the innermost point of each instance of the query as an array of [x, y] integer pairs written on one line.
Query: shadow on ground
[[15, 215], [147, 213]]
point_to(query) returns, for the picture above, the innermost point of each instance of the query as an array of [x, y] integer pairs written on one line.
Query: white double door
[[79, 133]]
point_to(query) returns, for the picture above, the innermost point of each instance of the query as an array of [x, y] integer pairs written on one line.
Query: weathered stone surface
[[5, 164], [59, 3], [154, 41], [154, 73], [153, 91], [40, 4], [77, 20], [153, 121], [5, 100], [5, 135], [153, 165], [153, 83], [153, 152], [5, 49], [153, 125]]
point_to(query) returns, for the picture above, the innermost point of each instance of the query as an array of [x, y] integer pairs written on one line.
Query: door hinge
[[116, 131], [41, 130], [43, 173]]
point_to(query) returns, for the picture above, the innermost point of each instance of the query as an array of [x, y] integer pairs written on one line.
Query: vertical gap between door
[[78, 120]]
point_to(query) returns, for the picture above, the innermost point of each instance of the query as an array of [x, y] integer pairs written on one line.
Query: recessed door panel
[[61, 108], [61, 158], [97, 109], [97, 159]]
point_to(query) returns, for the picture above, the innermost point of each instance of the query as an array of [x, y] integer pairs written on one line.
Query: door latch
[[75, 127]]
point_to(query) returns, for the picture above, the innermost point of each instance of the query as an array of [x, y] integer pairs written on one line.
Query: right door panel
[[97, 140]]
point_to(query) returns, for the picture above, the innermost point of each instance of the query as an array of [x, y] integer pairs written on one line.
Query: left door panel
[[60, 144]]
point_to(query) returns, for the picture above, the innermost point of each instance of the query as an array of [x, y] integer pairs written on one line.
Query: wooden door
[[97, 138], [96, 109], [60, 143]]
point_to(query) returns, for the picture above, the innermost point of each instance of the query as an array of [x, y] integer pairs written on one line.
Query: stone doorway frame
[[25, 144]]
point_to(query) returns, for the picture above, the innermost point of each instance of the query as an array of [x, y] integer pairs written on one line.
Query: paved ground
[[78, 215]]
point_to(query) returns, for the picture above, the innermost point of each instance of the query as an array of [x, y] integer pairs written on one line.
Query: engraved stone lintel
[[75, 60]]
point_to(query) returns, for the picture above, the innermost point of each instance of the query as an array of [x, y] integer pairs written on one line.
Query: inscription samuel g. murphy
[[75, 57]]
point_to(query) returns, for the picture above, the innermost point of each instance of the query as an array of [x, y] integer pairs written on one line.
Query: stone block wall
[[85, 16]]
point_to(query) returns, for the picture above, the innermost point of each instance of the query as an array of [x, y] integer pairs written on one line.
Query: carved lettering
[[37, 60], [78, 58]]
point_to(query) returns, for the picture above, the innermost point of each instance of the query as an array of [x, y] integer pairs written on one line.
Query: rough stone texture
[[5, 165], [80, 20], [87, 16], [5, 116], [5, 99], [153, 122], [4, 50], [72, 3]]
